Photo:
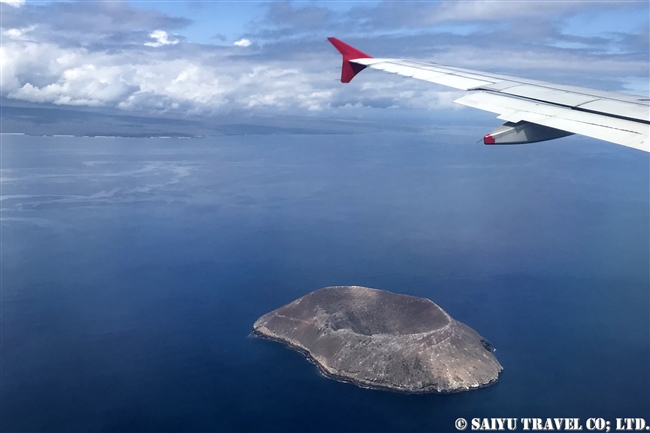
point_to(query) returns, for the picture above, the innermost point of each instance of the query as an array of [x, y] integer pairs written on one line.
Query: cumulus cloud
[[118, 60], [100, 23], [243, 43], [160, 38], [14, 3], [47, 73], [18, 33]]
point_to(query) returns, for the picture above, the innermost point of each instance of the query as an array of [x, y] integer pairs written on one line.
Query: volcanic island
[[383, 340]]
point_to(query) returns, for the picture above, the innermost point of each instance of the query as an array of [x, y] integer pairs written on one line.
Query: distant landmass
[[382, 340], [52, 120]]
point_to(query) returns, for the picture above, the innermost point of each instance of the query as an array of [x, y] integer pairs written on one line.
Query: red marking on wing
[[348, 52]]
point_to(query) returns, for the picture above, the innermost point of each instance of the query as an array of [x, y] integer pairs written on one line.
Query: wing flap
[[545, 94], [619, 108]]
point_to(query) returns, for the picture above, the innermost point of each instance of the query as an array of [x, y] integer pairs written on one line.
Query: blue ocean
[[133, 270]]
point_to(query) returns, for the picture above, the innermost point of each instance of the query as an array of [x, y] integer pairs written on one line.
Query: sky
[[230, 58]]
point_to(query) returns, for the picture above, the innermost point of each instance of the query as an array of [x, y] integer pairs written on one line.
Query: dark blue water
[[133, 270]]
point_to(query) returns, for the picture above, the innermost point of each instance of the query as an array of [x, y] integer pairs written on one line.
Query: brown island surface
[[383, 340]]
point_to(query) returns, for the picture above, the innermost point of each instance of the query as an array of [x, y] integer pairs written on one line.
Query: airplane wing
[[533, 110]]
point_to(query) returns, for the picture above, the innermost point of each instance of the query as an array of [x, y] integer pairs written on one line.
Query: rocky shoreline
[[345, 379]]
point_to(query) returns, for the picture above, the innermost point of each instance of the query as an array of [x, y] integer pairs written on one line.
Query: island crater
[[382, 340]]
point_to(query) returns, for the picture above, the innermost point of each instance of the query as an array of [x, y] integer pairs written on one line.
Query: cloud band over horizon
[[113, 54]]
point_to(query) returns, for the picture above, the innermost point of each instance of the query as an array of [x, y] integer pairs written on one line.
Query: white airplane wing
[[533, 110]]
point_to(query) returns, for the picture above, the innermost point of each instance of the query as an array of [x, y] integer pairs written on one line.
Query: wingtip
[[348, 52]]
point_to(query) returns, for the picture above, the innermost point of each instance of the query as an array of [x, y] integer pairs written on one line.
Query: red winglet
[[488, 139], [349, 70]]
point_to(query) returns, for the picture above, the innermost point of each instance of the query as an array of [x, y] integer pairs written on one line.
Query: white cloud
[[39, 64], [140, 79], [243, 43], [14, 3], [495, 10], [161, 38], [19, 34], [86, 85], [48, 73]]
